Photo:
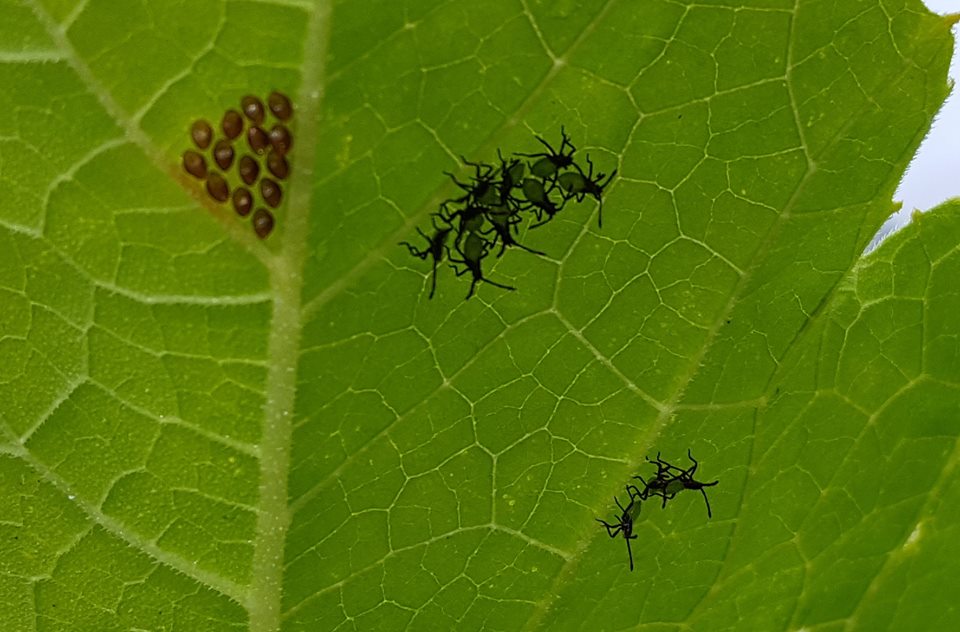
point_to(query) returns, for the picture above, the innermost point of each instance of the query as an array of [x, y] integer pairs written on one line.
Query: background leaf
[[203, 431]]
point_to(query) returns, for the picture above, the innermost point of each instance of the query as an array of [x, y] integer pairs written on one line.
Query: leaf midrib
[[283, 347]]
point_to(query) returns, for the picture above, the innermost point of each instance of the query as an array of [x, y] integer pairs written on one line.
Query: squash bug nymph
[[552, 161], [475, 248], [539, 198], [671, 480], [502, 220], [435, 249], [578, 184], [483, 190], [625, 524]]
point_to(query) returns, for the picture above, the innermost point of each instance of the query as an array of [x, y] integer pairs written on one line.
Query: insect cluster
[[668, 481], [497, 200], [264, 153]]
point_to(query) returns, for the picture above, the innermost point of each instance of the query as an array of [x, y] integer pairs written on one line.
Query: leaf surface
[[205, 431]]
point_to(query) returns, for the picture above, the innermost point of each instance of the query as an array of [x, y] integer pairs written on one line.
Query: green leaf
[[201, 430]]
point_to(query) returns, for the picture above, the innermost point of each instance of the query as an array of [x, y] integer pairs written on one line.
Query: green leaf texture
[[204, 431]]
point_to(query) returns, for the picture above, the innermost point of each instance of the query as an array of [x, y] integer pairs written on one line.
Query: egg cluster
[[246, 151]]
